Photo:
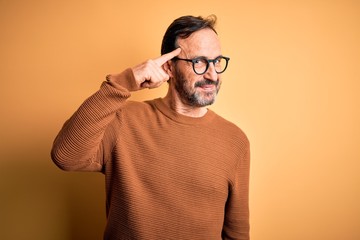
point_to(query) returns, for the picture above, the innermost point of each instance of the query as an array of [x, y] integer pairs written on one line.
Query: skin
[[204, 87], [154, 72]]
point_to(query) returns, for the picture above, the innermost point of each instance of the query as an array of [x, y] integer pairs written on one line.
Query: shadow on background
[[39, 201]]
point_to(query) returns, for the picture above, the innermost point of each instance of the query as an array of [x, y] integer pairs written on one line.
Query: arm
[[80, 143], [236, 223]]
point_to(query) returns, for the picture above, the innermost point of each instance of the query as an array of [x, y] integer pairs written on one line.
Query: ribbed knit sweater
[[168, 176]]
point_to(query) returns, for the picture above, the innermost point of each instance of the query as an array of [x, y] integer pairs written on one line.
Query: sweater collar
[[180, 118]]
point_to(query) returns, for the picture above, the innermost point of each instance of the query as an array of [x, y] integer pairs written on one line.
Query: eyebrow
[[207, 57], [194, 57]]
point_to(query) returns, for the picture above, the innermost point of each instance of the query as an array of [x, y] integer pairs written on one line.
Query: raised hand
[[151, 73]]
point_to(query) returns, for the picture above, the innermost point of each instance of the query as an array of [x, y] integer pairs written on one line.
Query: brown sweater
[[168, 176]]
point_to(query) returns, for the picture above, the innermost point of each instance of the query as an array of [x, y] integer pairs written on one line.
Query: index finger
[[166, 57]]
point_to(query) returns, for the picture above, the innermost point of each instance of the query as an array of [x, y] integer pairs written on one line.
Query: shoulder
[[232, 131], [139, 110], [137, 106]]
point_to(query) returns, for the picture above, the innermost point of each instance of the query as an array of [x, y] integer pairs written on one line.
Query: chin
[[203, 101]]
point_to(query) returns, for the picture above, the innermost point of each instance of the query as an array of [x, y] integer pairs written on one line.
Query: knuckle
[[149, 62]]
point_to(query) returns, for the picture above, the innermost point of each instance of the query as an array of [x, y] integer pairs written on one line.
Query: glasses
[[201, 64]]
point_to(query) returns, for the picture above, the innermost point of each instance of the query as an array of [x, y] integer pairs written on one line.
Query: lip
[[208, 87]]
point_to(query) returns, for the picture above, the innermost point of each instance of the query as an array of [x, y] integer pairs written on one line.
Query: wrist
[[125, 79]]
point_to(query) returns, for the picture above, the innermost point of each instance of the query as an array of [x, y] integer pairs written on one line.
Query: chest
[[181, 156]]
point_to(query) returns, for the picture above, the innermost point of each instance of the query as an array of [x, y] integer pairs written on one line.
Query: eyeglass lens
[[201, 65]]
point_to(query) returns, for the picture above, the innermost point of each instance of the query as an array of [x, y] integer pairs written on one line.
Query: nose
[[210, 73]]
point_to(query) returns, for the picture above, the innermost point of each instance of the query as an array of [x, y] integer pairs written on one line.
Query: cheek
[[192, 77], [188, 76], [192, 80]]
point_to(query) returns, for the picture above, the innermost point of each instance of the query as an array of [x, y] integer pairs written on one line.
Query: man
[[173, 168]]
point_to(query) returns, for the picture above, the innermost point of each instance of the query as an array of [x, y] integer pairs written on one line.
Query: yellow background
[[292, 86]]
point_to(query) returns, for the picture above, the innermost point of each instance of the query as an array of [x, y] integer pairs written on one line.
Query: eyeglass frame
[[207, 65]]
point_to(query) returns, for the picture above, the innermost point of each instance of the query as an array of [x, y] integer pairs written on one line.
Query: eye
[[217, 61], [200, 61]]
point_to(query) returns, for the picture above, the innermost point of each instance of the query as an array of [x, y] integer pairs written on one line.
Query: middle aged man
[[174, 169]]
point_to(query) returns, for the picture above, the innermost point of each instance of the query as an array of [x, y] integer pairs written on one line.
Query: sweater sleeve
[[79, 144], [236, 223]]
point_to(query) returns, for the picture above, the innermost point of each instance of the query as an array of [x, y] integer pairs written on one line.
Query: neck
[[173, 101]]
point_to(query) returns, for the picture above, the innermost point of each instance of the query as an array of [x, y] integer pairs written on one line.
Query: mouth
[[207, 87]]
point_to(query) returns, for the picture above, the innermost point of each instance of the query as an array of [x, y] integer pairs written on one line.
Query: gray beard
[[194, 98]]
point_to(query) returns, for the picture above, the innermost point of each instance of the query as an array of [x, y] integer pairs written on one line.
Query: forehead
[[204, 42]]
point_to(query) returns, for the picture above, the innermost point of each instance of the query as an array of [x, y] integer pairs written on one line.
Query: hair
[[183, 27]]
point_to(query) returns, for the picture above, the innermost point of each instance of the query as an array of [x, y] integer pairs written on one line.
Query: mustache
[[206, 82]]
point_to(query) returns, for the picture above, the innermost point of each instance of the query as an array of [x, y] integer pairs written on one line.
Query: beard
[[190, 95]]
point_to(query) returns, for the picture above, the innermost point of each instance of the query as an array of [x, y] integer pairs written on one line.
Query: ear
[[168, 67]]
